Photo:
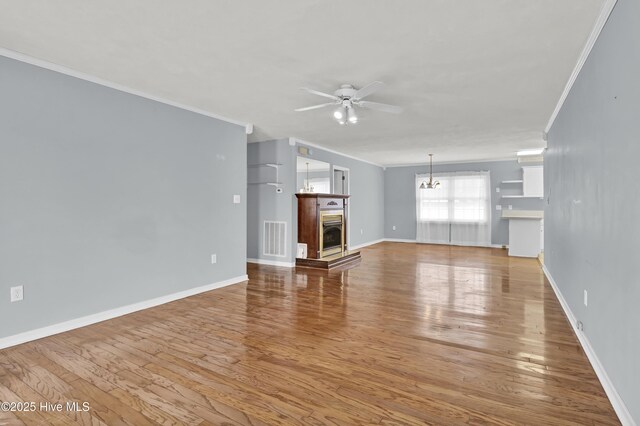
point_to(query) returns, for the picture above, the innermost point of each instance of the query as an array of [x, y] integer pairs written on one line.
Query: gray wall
[[108, 199], [400, 196], [592, 227], [366, 201], [263, 203]]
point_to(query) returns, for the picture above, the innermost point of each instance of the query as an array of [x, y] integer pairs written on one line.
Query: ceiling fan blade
[[368, 89], [326, 95], [381, 107], [314, 107]]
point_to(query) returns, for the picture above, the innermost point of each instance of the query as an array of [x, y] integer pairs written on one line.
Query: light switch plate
[[214, 258], [236, 199], [17, 293], [498, 189], [498, 207]]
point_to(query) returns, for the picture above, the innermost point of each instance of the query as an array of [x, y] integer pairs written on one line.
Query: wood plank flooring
[[417, 334]]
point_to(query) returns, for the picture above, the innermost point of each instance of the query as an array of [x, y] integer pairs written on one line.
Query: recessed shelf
[[266, 183], [513, 181], [274, 165], [521, 196]]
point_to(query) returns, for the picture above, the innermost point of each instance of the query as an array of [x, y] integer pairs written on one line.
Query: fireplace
[[322, 227], [331, 232]]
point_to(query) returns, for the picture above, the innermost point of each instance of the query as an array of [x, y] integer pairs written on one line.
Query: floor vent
[[275, 238]]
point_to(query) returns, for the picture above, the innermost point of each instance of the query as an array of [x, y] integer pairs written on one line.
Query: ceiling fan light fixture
[[347, 98], [351, 116]]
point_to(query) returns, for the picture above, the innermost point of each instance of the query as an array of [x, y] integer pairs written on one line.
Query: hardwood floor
[[416, 334]]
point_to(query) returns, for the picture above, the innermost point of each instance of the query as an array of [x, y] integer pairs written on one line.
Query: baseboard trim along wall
[[400, 240], [50, 330], [272, 262], [370, 243], [617, 402]]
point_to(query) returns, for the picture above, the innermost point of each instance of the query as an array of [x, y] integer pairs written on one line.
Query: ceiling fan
[[347, 97]]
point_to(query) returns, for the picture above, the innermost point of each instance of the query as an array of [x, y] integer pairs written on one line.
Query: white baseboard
[[399, 240], [499, 246], [617, 402], [61, 327], [272, 262], [370, 243]]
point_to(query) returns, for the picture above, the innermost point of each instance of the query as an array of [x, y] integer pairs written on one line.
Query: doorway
[[340, 180], [341, 185]]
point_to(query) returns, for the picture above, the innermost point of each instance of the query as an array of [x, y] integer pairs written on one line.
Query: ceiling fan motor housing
[[346, 91]]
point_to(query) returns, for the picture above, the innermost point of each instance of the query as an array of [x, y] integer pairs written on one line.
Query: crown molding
[[490, 160], [12, 54], [314, 145], [605, 11]]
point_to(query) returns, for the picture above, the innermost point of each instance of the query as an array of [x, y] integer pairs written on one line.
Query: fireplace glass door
[[331, 233]]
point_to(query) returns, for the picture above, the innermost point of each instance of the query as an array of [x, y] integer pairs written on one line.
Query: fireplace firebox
[[331, 232]]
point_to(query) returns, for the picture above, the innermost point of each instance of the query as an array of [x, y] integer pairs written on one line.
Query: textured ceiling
[[478, 78]]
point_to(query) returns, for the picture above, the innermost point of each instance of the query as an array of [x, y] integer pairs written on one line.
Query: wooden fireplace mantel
[[310, 207]]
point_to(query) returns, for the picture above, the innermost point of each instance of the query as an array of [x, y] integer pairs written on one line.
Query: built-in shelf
[[266, 183], [274, 165], [513, 181], [520, 196]]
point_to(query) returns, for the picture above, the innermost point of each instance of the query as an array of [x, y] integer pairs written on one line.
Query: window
[[462, 198], [458, 211]]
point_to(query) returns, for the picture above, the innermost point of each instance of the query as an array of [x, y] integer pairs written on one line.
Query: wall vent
[[275, 238]]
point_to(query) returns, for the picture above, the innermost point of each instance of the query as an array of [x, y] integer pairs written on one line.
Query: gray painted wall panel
[[367, 196], [400, 196], [263, 203], [592, 230], [108, 199]]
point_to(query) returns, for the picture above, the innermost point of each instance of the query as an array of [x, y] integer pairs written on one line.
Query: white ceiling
[[478, 78]]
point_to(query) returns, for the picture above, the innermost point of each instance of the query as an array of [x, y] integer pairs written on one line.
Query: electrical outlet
[[510, 207], [214, 258], [498, 207], [498, 189], [394, 227], [586, 298], [580, 326], [17, 293]]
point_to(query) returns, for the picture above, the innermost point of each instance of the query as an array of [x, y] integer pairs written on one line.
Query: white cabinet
[[525, 232], [532, 181], [524, 237]]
